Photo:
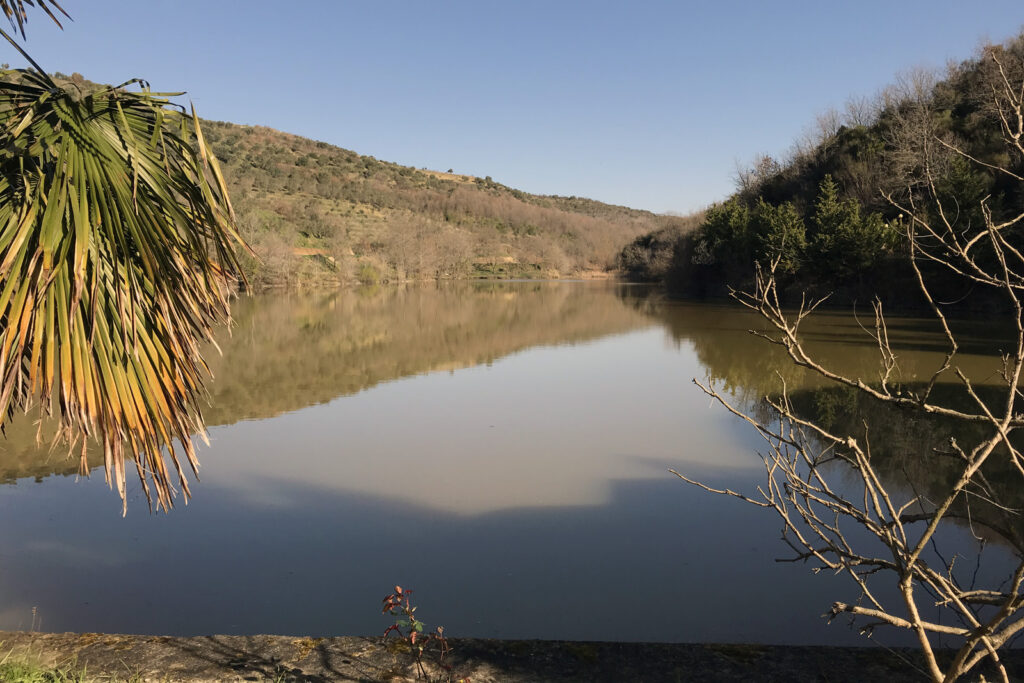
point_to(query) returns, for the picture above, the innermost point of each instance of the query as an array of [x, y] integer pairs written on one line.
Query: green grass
[[25, 671]]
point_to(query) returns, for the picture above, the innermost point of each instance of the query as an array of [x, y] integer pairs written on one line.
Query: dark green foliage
[[725, 234], [843, 243], [117, 243], [734, 237], [833, 243], [779, 236], [845, 187], [961, 191]]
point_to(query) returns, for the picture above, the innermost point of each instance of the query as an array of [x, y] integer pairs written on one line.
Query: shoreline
[[328, 284], [295, 659]]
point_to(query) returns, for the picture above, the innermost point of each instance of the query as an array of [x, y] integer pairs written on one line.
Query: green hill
[[313, 211], [826, 208]]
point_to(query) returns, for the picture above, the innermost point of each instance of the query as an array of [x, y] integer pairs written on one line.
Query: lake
[[500, 448]]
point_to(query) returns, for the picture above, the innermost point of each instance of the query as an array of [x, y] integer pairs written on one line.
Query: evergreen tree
[[779, 234], [844, 244]]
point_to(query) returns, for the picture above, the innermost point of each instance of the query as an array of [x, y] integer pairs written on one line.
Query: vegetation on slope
[[830, 211], [314, 211]]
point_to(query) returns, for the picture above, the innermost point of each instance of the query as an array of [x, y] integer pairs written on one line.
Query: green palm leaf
[[116, 258]]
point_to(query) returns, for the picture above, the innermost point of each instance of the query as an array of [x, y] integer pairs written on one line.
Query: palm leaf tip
[[15, 11]]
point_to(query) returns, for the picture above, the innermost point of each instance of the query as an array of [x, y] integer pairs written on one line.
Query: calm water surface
[[502, 449]]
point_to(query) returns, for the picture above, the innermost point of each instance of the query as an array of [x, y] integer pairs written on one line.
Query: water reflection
[[509, 439], [289, 351], [751, 368], [911, 452], [286, 351], [910, 449]]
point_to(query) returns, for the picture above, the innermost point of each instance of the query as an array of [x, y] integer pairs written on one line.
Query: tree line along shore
[[835, 210]]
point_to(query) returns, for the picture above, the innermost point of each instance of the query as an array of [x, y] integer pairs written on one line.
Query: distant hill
[[313, 211], [317, 214]]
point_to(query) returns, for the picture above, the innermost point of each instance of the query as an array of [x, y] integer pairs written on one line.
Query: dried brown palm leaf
[[116, 237]]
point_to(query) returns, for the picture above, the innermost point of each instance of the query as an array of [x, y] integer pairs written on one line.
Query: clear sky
[[647, 104]]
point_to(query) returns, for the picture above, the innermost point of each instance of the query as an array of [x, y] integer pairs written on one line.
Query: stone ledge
[[286, 659]]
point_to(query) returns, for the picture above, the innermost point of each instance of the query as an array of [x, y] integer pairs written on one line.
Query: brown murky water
[[502, 449]]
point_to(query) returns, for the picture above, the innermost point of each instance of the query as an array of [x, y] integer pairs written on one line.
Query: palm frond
[[15, 12], [116, 237]]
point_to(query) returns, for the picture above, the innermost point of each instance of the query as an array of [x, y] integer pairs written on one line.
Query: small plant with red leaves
[[413, 631]]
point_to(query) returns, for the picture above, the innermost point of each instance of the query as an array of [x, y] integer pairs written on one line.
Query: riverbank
[[330, 280], [288, 659]]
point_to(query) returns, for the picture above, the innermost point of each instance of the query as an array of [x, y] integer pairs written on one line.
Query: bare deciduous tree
[[750, 179], [884, 535], [860, 111]]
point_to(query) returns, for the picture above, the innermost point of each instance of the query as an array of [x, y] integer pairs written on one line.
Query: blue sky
[[647, 104]]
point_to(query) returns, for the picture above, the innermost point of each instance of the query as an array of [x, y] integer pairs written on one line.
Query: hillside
[[313, 211], [831, 209], [319, 214]]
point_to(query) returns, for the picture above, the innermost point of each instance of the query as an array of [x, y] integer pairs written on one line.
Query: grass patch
[[25, 671]]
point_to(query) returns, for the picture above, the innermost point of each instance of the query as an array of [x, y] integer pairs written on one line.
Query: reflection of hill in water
[[749, 367], [911, 450], [21, 457], [905, 443], [289, 351]]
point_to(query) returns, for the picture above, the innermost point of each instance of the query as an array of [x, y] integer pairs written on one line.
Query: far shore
[[329, 283]]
